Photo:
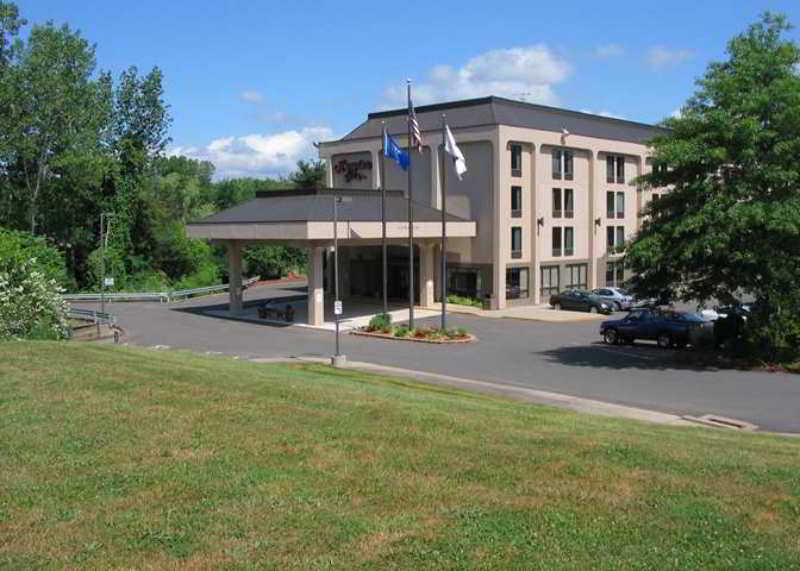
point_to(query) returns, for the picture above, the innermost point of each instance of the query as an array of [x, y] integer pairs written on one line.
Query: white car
[[617, 297]]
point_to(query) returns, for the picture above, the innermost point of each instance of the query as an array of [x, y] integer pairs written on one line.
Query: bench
[[276, 311]]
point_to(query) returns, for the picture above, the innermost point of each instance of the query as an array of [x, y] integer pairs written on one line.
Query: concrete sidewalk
[[532, 312]]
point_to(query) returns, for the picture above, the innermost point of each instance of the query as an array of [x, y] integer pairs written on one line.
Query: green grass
[[113, 457]]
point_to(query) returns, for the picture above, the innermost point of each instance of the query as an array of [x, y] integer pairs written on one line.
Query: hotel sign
[[352, 170]]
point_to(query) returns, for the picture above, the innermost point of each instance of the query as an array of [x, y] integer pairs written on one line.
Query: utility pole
[[104, 217]]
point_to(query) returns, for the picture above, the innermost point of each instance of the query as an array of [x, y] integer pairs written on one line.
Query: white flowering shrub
[[31, 305]]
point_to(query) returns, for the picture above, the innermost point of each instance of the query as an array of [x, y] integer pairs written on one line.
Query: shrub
[[18, 248], [380, 321], [402, 331], [462, 300], [31, 306]]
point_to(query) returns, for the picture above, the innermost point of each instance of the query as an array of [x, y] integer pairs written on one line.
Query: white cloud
[[252, 96], [603, 113], [608, 50], [660, 57], [527, 73], [258, 155]]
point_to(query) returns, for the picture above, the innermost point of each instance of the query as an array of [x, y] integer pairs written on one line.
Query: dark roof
[[317, 206], [494, 110]]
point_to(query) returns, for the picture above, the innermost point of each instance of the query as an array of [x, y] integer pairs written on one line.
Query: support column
[[316, 297], [235, 276], [426, 273]]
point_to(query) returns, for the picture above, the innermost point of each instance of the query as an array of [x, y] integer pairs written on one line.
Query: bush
[[402, 331], [462, 300], [272, 262], [31, 306], [381, 321], [18, 248]]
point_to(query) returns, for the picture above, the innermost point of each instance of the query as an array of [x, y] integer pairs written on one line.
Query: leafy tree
[[309, 174], [730, 227]]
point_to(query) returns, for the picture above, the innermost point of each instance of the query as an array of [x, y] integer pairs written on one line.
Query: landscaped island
[[381, 326]]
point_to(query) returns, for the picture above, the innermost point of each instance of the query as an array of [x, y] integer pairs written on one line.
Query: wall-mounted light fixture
[[597, 221], [539, 224]]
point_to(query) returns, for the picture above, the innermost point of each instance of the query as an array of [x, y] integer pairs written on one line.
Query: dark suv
[[666, 327]]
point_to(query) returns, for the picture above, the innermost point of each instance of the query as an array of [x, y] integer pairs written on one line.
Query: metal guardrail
[[93, 316], [160, 296]]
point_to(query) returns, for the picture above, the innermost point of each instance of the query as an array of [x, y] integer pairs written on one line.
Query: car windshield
[[621, 291]]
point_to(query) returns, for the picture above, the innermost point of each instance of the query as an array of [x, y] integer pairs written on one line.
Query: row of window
[[564, 203], [563, 241], [576, 277], [563, 165]]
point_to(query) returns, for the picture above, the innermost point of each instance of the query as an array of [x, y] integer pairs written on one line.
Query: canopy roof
[[290, 215]]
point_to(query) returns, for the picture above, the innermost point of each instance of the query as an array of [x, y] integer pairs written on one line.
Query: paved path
[[565, 358]]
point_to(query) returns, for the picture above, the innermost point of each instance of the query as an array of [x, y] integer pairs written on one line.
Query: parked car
[[579, 300], [618, 298], [667, 328]]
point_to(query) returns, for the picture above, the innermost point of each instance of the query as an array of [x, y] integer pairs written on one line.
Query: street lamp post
[[338, 359], [104, 217]]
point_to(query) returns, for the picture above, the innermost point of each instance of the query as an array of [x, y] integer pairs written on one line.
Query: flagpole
[[410, 219], [382, 173], [444, 227]]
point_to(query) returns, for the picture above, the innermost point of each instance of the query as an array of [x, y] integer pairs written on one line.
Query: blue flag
[[392, 150]]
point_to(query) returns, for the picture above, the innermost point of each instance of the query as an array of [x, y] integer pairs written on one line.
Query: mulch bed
[[444, 341]]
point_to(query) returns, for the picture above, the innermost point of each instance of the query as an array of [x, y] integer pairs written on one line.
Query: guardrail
[[93, 316], [160, 296]]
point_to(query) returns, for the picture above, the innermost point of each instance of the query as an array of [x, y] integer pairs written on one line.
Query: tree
[[730, 227], [309, 174]]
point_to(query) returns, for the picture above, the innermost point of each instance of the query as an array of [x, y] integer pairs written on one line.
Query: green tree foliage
[[31, 277], [730, 227], [309, 174]]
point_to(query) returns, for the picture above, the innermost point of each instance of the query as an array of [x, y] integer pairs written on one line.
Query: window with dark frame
[[569, 203], [557, 241], [516, 241], [569, 241], [517, 283], [576, 276], [516, 160], [620, 170], [610, 208], [615, 239], [549, 281], [615, 274], [568, 162], [620, 238], [610, 168], [556, 203], [516, 201], [620, 205], [556, 164]]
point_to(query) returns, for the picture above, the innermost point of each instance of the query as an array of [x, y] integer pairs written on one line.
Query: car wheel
[[557, 306], [610, 337], [617, 306], [664, 340], [592, 309]]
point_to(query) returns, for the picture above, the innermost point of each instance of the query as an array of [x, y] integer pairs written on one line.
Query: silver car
[[618, 298]]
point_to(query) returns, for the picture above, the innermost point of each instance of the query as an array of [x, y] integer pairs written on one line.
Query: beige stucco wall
[[485, 196]]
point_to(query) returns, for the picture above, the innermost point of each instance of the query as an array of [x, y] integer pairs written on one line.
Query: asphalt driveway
[[565, 358]]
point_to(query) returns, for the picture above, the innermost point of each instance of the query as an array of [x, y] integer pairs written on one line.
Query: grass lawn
[[114, 457]]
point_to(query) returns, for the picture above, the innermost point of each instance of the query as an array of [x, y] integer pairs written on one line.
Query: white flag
[[452, 149]]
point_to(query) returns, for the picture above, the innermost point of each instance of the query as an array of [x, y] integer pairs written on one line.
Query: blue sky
[[251, 85]]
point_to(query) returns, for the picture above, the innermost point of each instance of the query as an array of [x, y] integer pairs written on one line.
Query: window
[[556, 203], [516, 201], [615, 274], [464, 281], [569, 203], [615, 239], [615, 204], [557, 241], [516, 160], [615, 169], [516, 283], [569, 240], [549, 281], [659, 168], [516, 242], [576, 276], [656, 196], [562, 162], [567, 165]]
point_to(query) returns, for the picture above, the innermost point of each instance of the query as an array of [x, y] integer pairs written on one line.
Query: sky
[[251, 85]]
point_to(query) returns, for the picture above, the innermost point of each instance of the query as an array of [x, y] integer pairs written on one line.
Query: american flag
[[416, 134]]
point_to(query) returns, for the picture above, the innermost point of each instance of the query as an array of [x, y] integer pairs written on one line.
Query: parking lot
[[567, 358]]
